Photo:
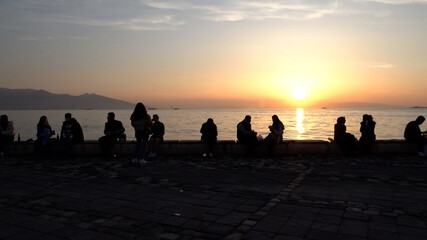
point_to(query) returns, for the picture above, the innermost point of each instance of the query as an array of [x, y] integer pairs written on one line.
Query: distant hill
[[356, 105], [30, 99]]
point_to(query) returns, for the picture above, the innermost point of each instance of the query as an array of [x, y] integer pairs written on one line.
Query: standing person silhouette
[[141, 122], [367, 128], [209, 133]]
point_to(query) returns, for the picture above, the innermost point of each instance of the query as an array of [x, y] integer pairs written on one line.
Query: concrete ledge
[[177, 147]]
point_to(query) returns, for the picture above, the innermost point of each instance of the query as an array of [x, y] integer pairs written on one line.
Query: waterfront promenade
[[229, 197]]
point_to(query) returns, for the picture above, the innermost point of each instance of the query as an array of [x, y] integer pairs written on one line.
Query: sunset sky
[[219, 53]]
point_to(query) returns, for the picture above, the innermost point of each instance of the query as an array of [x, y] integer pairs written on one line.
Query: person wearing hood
[[71, 131]]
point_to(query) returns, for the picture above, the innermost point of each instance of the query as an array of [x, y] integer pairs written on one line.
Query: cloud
[[152, 15], [78, 38], [381, 65], [135, 24], [35, 38], [397, 2], [238, 10]]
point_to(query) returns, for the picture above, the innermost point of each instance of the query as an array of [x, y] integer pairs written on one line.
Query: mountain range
[[31, 99]]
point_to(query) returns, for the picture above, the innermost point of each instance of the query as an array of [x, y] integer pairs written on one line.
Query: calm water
[[184, 124]]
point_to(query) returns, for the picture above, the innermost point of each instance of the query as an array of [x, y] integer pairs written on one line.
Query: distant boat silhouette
[[323, 108]]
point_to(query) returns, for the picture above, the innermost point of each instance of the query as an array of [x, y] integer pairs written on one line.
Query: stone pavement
[[281, 198]]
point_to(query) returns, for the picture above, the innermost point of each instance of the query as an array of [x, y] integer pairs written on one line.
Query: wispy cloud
[[35, 38], [50, 38], [382, 65], [396, 2], [237, 10], [152, 15], [135, 24]]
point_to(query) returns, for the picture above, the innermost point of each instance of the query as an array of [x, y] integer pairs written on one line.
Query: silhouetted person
[[158, 130], [245, 134], [344, 140], [413, 134], [44, 132], [113, 131], [209, 133], [276, 133], [7, 132], [71, 132], [141, 122], [367, 128]]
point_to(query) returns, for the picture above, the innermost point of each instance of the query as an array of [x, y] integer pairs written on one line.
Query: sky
[[219, 53]]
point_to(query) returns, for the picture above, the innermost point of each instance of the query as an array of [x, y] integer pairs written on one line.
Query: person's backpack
[[143, 124]]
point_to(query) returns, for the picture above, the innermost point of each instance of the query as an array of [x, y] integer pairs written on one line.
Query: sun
[[299, 93]]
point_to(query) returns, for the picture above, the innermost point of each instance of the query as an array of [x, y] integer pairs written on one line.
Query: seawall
[[186, 147]]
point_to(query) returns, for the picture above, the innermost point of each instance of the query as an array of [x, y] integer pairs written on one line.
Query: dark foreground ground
[[284, 198]]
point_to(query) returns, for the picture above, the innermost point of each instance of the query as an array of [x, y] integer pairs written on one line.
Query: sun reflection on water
[[299, 119]]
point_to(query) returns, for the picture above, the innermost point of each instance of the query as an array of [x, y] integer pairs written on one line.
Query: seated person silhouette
[[44, 132], [413, 134], [71, 132], [245, 134], [158, 130], [113, 131], [7, 132], [345, 141]]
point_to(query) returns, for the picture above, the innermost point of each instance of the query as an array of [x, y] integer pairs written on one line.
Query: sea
[[185, 124]]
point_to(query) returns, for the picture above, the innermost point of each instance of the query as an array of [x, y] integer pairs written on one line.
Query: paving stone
[[269, 224], [255, 235], [410, 237], [290, 229], [219, 229], [382, 226], [421, 232], [411, 222], [354, 227], [234, 236], [196, 225], [174, 221], [80, 191], [168, 236], [243, 228], [325, 227], [320, 235], [284, 237], [233, 219], [328, 219], [382, 235]]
